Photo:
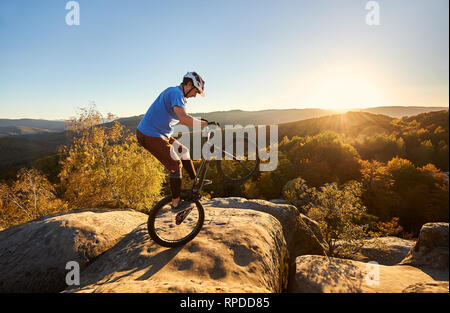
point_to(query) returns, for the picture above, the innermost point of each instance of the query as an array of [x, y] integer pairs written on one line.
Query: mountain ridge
[[23, 150], [25, 126]]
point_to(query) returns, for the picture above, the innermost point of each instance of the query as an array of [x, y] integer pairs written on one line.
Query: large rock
[[302, 234], [244, 246], [33, 256], [238, 250], [317, 274], [435, 287], [278, 201], [431, 249], [383, 250]]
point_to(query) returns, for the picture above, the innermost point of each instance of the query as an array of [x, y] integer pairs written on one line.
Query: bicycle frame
[[194, 196], [200, 177], [201, 173]]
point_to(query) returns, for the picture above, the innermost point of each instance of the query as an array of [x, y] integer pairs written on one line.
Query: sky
[[252, 54]]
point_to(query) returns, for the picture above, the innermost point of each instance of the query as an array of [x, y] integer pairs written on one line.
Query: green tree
[[380, 147], [425, 138], [338, 212], [378, 195], [297, 192], [325, 158], [269, 185]]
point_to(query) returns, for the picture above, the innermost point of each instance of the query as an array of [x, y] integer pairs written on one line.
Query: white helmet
[[198, 82]]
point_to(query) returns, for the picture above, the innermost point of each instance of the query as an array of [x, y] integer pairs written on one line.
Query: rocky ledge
[[244, 246]]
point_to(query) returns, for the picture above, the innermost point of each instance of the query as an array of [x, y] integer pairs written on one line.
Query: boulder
[[244, 246], [278, 201], [431, 249], [33, 256], [318, 274], [238, 250], [303, 235], [435, 287], [384, 250]]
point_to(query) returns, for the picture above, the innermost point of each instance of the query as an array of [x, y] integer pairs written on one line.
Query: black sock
[[189, 166], [175, 187]]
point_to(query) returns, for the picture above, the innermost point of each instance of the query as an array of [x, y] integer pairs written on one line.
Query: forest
[[380, 175]]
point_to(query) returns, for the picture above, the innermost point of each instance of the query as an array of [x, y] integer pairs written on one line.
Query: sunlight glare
[[344, 93]]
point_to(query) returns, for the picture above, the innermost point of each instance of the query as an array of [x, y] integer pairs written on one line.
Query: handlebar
[[211, 123], [210, 129]]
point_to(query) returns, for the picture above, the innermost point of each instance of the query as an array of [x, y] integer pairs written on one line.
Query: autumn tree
[[319, 159], [339, 211], [425, 138], [423, 194], [378, 195], [105, 166], [326, 158], [269, 185], [30, 196], [390, 228], [297, 192], [380, 147]]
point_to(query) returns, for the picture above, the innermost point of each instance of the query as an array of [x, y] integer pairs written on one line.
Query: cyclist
[[156, 127]]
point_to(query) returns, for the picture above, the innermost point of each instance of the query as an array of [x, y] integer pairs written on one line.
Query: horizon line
[[285, 109]]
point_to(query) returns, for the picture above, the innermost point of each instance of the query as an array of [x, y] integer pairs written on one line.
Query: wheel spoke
[[164, 229]]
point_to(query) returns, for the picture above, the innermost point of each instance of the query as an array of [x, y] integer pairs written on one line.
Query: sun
[[344, 93]]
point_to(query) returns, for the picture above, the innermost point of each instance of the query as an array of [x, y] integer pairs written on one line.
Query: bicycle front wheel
[[171, 228], [239, 162]]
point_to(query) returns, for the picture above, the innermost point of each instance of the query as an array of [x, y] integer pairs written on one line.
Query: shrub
[[338, 212], [29, 197]]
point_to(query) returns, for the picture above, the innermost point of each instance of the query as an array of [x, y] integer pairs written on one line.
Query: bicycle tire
[[173, 243], [228, 178]]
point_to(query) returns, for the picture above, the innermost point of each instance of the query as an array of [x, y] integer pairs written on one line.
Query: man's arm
[[186, 119]]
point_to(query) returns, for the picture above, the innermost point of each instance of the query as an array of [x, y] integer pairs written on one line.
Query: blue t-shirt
[[160, 117]]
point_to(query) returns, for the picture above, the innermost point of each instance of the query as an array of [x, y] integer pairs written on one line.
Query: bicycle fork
[[200, 177], [195, 191]]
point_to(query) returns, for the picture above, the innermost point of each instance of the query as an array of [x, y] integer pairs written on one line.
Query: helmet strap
[[182, 89], [185, 94]]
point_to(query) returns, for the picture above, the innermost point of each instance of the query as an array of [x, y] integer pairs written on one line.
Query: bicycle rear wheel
[[174, 229], [243, 163]]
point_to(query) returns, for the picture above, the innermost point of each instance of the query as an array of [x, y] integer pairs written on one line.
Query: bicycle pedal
[[207, 182], [182, 215]]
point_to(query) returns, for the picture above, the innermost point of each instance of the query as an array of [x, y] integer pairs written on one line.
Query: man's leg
[[183, 154], [189, 166], [161, 150], [177, 152], [175, 186]]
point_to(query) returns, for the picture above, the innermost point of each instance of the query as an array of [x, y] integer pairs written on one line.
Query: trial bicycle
[[171, 228]]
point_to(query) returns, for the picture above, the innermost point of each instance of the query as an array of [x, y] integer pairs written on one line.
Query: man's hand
[[214, 123], [210, 123]]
